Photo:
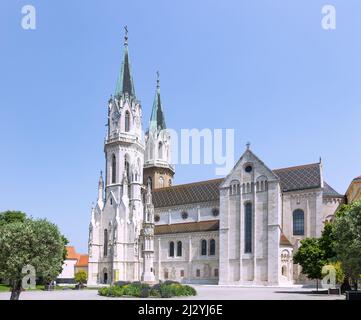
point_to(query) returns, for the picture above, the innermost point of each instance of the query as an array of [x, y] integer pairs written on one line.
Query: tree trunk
[[355, 284], [15, 290]]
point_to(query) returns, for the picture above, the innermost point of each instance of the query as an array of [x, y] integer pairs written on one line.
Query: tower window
[[298, 222], [126, 168], [114, 169], [212, 247], [161, 182], [171, 249], [204, 247], [127, 121], [160, 150], [105, 242], [248, 228], [149, 182], [179, 248]]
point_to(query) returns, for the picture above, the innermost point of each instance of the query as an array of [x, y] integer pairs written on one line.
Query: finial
[[248, 145], [158, 80], [320, 159], [126, 35], [101, 173]]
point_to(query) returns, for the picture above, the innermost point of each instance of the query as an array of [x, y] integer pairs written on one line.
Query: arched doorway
[[105, 276]]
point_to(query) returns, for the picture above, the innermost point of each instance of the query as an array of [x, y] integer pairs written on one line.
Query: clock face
[[116, 116]]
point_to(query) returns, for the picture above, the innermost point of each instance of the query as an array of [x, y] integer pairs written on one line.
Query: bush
[[142, 290], [121, 283]]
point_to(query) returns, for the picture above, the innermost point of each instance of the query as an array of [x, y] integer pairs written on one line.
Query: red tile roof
[[83, 261], [71, 253]]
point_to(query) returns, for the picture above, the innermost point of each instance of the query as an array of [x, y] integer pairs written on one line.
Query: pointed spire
[[100, 190], [157, 120], [125, 80]]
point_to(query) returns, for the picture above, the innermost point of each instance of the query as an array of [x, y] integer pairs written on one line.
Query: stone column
[[241, 228], [189, 258], [254, 207]]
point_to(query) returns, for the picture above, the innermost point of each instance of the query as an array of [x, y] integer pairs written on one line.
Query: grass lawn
[[6, 288]]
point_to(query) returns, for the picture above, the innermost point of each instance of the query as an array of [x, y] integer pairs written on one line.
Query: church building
[[241, 229]]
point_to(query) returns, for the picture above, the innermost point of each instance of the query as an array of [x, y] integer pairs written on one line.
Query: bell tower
[[158, 171]]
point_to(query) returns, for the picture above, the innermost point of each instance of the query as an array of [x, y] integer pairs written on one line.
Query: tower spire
[[157, 119], [125, 80]]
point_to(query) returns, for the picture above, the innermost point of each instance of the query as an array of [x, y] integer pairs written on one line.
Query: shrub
[[166, 291], [121, 283], [137, 289]]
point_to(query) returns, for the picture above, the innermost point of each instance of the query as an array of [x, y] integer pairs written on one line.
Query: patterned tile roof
[[328, 191], [300, 177], [357, 178], [210, 225], [291, 179], [202, 191]]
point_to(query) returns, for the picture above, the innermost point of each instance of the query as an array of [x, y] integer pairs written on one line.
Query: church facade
[[240, 229]]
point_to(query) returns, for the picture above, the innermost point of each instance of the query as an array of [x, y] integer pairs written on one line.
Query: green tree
[[311, 256], [347, 244], [11, 216], [81, 277], [30, 242]]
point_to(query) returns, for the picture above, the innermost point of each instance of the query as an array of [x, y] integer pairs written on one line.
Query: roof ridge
[[297, 167]]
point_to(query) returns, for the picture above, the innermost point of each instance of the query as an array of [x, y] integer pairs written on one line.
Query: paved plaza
[[205, 292]]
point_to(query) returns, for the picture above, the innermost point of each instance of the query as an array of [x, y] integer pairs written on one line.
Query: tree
[[347, 245], [37, 243], [311, 257], [81, 278], [11, 216]]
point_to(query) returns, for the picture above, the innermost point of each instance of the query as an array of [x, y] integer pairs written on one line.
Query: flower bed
[[142, 290]]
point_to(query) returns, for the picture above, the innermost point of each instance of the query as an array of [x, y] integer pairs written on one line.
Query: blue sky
[[265, 68]]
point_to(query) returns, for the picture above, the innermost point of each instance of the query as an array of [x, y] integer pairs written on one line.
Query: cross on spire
[[158, 80], [248, 145], [126, 34]]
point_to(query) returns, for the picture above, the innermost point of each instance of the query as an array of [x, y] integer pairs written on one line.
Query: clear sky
[[264, 68]]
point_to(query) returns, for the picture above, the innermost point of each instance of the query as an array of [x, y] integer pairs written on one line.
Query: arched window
[[212, 247], [171, 249], [298, 222], [179, 248], [127, 121], [149, 182], [160, 150], [284, 271], [126, 168], [170, 182], [248, 228], [114, 169], [161, 182], [204, 247], [105, 242]]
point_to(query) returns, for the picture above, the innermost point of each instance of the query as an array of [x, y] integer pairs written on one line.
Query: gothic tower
[[158, 171], [117, 218]]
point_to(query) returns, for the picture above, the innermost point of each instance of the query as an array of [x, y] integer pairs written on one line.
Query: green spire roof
[[125, 79], [157, 120]]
